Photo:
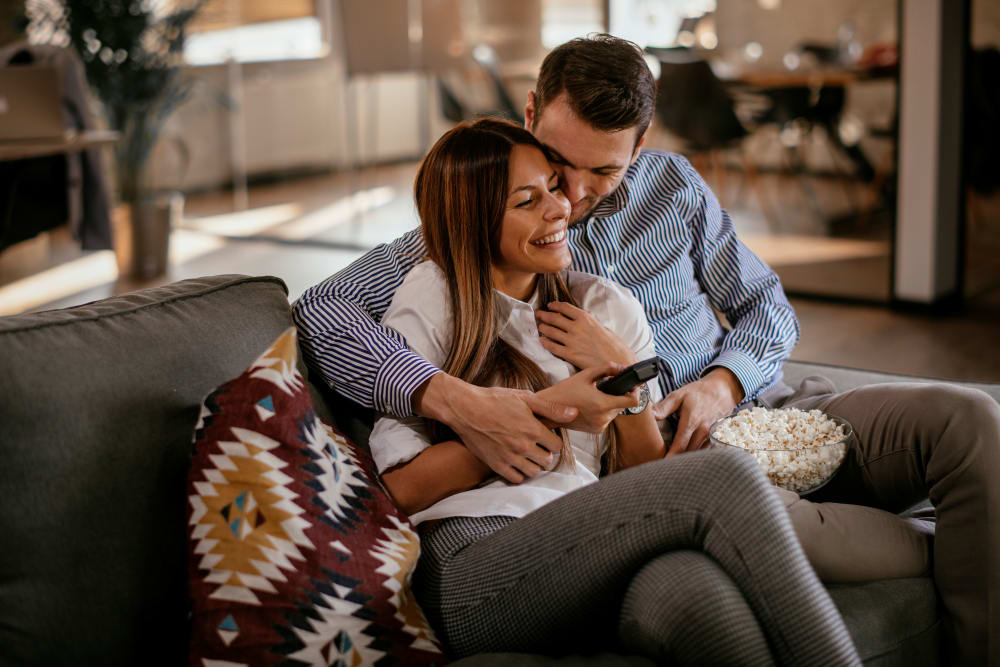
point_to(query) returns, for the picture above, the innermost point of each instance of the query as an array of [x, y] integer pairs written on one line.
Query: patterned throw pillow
[[296, 554]]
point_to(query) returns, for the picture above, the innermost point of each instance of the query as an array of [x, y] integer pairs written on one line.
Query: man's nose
[[573, 185]]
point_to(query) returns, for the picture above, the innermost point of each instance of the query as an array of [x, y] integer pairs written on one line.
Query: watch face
[[643, 401]]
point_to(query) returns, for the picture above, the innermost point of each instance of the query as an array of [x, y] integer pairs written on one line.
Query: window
[[253, 31], [562, 20]]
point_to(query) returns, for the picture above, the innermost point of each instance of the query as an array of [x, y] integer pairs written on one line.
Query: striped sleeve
[[741, 286], [342, 340]]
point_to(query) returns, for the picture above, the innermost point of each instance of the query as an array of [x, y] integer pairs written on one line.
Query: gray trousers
[[913, 441], [687, 560]]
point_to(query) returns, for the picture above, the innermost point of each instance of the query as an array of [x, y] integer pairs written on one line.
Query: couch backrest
[[845, 378], [96, 424]]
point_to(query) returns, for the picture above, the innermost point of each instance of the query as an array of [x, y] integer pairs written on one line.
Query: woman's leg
[[682, 609], [554, 580]]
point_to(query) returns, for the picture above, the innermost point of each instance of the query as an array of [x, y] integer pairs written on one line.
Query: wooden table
[[804, 78], [30, 148], [794, 79]]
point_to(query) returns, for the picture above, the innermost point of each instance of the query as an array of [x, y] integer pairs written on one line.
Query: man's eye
[[555, 188]]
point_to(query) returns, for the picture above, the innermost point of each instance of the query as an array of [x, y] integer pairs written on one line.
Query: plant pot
[[142, 235]]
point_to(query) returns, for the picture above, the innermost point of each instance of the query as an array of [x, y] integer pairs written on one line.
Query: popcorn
[[798, 449]]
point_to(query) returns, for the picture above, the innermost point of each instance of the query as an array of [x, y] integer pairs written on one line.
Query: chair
[[488, 60], [502, 104], [451, 107], [695, 106]]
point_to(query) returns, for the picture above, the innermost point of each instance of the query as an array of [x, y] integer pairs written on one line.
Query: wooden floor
[[307, 229]]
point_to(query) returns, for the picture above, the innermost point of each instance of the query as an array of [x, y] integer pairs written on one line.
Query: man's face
[[590, 162]]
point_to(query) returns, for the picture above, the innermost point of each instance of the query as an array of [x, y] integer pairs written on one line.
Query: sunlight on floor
[[90, 271], [194, 238], [291, 221], [788, 249], [244, 223]]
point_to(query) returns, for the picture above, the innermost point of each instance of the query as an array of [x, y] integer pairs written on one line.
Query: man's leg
[[934, 440], [853, 543]]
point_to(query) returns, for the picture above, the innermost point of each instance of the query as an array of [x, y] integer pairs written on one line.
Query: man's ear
[[638, 145], [529, 111]]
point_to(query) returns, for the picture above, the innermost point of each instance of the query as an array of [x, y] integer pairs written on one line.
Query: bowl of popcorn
[[799, 450]]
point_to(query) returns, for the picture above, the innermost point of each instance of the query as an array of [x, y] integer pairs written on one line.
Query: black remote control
[[631, 377]]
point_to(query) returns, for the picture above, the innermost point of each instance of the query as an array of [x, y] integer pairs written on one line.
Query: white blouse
[[421, 311]]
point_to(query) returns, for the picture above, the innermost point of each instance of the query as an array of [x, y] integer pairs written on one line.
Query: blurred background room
[[853, 143]]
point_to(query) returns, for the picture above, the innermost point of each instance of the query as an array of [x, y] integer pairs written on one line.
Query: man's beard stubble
[[575, 218]]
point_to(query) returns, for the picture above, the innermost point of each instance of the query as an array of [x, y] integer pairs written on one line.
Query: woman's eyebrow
[[554, 175]]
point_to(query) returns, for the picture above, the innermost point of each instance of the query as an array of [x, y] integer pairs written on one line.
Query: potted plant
[[132, 55]]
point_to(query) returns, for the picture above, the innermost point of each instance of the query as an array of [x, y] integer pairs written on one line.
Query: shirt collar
[[507, 305], [615, 202]]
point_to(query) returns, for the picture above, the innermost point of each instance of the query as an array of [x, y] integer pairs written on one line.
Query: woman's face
[[533, 235]]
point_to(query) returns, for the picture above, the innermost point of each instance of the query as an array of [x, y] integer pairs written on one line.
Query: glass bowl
[[790, 462]]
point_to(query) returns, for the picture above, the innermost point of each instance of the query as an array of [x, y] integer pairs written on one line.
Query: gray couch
[[97, 415]]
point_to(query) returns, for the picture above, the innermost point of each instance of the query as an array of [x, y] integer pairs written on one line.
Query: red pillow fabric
[[296, 553]]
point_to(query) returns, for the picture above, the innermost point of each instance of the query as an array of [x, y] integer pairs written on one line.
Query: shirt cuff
[[398, 377], [745, 368]]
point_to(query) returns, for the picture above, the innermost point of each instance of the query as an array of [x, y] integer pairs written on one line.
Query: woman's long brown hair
[[461, 194]]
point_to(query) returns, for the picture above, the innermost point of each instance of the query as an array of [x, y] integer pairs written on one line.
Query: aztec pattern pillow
[[296, 554]]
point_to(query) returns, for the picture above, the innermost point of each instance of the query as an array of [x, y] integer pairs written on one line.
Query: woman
[[683, 559]]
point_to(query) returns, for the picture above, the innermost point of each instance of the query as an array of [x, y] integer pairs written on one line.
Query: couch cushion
[[98, 409], [604, 659], [892, 622], [297, 555]]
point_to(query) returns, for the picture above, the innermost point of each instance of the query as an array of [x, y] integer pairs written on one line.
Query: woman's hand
[[596, 409], [574, 335]]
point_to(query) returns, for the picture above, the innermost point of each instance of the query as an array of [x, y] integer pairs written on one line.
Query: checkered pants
[[686, 559]]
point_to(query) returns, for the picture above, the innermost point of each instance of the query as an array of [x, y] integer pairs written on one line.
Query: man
[[648, 221]]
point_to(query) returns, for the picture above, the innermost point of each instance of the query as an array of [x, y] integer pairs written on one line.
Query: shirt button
[[611, 268]]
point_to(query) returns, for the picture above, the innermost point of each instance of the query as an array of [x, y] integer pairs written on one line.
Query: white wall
[[291, 115], [794, 21]]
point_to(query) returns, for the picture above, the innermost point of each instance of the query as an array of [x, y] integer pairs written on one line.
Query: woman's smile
[[533, 232], [552, 240]]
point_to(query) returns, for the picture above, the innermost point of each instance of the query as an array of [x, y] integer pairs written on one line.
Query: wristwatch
[[643, 401]]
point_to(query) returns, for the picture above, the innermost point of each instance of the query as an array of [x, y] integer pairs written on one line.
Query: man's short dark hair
[[606, 80]]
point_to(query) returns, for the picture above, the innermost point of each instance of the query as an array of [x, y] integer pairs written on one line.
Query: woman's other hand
[[574, 335], [596, 409]]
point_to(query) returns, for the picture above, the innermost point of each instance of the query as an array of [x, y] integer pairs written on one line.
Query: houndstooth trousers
[[689, 560]]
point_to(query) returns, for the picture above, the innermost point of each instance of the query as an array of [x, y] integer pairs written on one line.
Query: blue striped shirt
[[661, 234]]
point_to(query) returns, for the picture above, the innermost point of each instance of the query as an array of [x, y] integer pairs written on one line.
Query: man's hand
[[574, 335], [596, 409], [497, 425], [699, 404]]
